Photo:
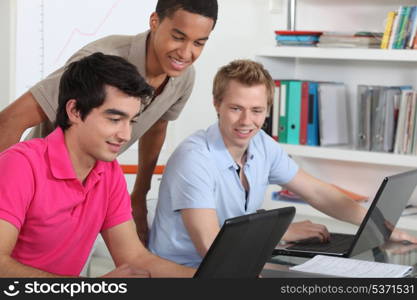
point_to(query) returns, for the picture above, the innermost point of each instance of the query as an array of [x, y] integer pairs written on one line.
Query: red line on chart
[[81, 33]]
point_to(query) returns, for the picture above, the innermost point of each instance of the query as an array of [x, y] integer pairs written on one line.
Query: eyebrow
[[254, 107], [183, 34], [113, 111]]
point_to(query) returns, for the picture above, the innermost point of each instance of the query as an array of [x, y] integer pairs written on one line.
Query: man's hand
[[127, 271], [306, 229], [399, 236], [140, 216]]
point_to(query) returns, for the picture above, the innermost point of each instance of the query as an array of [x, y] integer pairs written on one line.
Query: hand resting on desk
[[304, 230]]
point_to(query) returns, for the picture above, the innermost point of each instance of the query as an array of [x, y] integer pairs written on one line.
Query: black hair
[[85, 81], [206, 8]]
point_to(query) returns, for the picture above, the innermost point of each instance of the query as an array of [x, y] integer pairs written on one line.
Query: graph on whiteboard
[[48, 32]]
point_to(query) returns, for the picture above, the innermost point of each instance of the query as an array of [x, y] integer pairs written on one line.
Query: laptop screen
[[244, 244], [385, 211]]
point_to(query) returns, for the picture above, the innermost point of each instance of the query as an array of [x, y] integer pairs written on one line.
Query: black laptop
[[244, 244], [375, 229]]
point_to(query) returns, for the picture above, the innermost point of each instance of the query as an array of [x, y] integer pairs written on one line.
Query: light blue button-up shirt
[[201, 173]]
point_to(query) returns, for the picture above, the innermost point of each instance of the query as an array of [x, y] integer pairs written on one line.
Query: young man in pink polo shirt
[[58, 193]]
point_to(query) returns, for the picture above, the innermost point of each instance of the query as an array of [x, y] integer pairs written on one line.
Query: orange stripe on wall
[[133, 169]]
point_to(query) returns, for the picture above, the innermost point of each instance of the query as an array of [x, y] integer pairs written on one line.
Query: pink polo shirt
[[58, 217]]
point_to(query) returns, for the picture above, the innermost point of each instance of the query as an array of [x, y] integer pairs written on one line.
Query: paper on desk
[[348, 267]]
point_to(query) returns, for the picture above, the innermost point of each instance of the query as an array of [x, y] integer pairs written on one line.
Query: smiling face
[[105, 129], [242, 112], [177, 41]]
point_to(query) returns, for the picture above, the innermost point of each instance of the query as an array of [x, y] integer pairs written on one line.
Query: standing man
[[223, 172], [163, 55], [58, 193]]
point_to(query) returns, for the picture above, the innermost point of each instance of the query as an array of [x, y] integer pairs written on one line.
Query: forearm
[[159, 267], [332, 202], [17, 117], [12, 268], [150, 146]]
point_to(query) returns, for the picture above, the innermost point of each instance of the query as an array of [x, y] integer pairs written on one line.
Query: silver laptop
[[375, 229]]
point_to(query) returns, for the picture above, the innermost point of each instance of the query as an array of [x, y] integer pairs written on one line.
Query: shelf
[[341, 53], [377, 158]]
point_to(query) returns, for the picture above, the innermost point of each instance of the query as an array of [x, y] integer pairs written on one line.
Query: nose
[[186, 51], [245, 117], [125, 132]]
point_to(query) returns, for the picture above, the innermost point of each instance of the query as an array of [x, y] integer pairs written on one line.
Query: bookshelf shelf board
[[349, 155], [340, 53]]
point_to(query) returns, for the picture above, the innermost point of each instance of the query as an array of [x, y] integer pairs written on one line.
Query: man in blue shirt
[[223, 172]]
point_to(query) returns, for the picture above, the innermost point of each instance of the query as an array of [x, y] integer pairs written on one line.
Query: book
[[400, 39], [297, 32], [403, 12], [275, 111], [349, 267], [282, 129], [333, 115], [400, 138], [293, 110], [313, 115], [304, 112], [388, 29], [297, 38], [411, 28], [378, 107], [394, 30], [363, 134], [350, 39]]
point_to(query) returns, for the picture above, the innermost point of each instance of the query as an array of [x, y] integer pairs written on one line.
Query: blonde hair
[[246, 72]]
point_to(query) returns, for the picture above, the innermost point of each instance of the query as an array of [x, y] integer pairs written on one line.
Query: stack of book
[[296, 38], [309, 113], [350, 39], [387, 119], [400, 29]]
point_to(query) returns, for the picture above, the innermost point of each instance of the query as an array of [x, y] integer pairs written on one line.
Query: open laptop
[[244, 244], [375, 229]]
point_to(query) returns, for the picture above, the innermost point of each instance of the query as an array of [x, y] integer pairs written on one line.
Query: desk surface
[[395, 253]]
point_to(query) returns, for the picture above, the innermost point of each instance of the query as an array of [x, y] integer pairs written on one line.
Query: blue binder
[[294, 112], [313, 115]]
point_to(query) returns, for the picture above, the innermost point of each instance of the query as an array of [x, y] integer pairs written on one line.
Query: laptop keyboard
[[338, 242]]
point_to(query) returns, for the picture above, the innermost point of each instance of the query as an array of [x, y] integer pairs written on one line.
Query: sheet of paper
[[348, 267]]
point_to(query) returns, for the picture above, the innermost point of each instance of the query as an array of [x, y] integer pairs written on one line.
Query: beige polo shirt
[[167, 106]]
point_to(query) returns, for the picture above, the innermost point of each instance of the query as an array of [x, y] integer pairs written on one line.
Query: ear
[[216, 104], [72, 112], [153, 21]]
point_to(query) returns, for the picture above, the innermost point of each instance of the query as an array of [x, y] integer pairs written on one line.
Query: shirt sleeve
[[283, 168], [175, 110], [16, 187], [188, 181], [46, 91], [119, 208]]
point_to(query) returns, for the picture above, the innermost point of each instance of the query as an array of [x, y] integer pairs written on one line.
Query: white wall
[[6, 51]]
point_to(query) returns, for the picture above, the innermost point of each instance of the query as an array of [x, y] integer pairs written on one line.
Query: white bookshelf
[[349, 155], [353, 67], [395, 55]]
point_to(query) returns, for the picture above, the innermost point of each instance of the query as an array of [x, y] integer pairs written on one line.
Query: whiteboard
[[48, 32]]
